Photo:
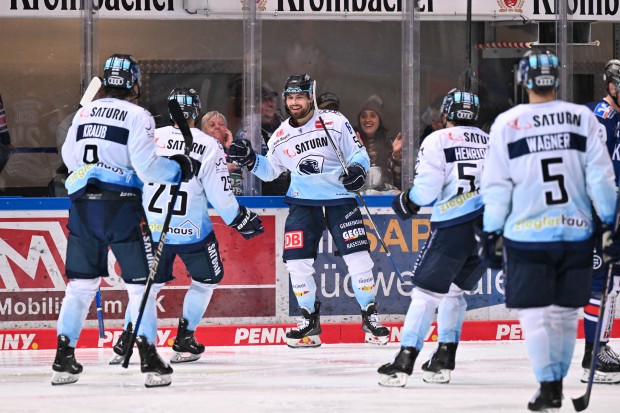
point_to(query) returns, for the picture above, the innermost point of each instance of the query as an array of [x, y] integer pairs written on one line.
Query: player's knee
[[358, 262], [83, 288], [202, 286], [420, 294], [455, 291], [300, 268]]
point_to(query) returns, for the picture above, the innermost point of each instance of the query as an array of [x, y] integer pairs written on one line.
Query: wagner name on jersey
[[447, 174], [311, 158], [190, 222], [541, 150]]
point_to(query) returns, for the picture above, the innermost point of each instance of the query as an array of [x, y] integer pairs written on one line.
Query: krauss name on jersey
[[311, 144]]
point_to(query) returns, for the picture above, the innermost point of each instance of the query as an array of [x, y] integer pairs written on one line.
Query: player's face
[[298, 105], [369, 122]]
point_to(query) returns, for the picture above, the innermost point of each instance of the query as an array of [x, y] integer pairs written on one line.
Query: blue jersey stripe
[[547, 142], [106, 132]]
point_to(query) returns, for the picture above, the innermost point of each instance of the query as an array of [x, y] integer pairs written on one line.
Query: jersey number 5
[[471, 179], [559, 179]]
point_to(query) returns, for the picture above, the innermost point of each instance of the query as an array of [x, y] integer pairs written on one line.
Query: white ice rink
[[489, 377]]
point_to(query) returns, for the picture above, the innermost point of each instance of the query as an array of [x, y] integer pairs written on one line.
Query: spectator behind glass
[[328, 101], [214, 124], [5, 138], [385, 154], [432, 119]]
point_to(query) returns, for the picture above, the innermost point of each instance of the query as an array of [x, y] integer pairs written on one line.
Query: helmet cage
[[189, 102], [121, 71], [461, 107]]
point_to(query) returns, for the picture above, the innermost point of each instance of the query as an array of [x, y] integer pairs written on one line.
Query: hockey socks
[[78, 297]]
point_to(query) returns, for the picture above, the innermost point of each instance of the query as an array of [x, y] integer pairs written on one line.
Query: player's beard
[[302, 113]]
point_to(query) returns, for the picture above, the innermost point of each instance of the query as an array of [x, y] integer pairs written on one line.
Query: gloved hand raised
[[404, 207], [241, 153], [247, 223], [189, 166], [354, 177]]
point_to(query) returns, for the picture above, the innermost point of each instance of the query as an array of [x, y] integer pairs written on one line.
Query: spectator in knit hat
[[385, 153]]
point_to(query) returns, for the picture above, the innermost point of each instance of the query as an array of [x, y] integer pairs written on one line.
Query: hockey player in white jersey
[[547, 165], [110, 152], [447, 176], [320, 194], [191, 235]]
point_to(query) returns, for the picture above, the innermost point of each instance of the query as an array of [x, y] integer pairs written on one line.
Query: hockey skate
[[607, 365], [437, 369], [306, 334], [66, 369], [375, 332], [548, 398], [157, 372], [185, 346], [120, 348], [395, 374]]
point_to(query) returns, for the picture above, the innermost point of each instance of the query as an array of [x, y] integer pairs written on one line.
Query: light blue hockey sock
[[78, 298], [450, 316], [196, 302], [364, 288], [148, 323], [419, 318]]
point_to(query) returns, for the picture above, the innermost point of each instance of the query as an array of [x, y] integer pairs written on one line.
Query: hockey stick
[[87, 97], [179, 119], [357, 195]]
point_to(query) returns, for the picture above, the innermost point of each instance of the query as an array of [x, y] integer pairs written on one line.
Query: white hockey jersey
[[110, 145], [547, 163], [190, 222], [307, 152], [447, 174]]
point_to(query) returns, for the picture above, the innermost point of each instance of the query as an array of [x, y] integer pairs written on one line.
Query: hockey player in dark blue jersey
[[547, 165], [607, 111]]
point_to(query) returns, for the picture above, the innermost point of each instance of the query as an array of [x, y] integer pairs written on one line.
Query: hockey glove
[[403, 207], [247, 223], [611, 245], [490, 245], [353, 178], [189, 166], [241, 153]]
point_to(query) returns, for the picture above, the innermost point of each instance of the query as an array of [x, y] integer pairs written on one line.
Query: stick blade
[[91, 91], [581, 403], [179, 119]]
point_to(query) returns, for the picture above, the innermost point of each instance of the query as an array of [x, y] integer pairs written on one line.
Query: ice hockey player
[[448, 172], [547, 165], [110, 152], [321, 194], [607, 111], [191, 235]]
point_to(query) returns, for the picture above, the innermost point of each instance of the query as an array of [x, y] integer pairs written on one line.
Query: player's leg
[[346, 225], [302, 233], [206, 270], [86, 262]]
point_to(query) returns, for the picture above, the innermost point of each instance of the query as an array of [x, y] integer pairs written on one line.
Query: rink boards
[[252, 305]]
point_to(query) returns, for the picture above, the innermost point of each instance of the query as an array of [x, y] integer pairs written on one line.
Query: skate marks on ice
[[489, 377]]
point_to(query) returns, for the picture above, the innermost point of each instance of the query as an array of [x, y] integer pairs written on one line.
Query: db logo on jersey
[[293, 239], [318, 125]]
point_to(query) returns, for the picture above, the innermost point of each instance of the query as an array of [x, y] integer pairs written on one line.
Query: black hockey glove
[[403, 207], [611, 245], [490, 245], [247, 223], [241, 153], [354, 177], [189, 166]]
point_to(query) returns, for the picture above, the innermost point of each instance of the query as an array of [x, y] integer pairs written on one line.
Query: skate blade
[[376, 340], [116, 359], [184, 357], [308, 341], [393, 380], [157, 380], [443, 376], [601, 377], [60, 378]]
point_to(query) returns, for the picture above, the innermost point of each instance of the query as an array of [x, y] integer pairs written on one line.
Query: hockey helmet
[[299, 84], [121, 71], [461, 107], [189, 101], [539, 71], [612, 72]]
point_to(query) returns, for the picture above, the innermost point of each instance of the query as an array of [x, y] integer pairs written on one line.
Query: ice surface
[[489, 377]]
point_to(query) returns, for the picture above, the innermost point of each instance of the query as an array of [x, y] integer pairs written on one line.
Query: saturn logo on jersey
[[293, 240], [310, 165]]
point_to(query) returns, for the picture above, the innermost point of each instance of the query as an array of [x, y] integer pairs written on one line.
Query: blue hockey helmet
[[121, 71], [460, 107], [189, 101], [539, 71]]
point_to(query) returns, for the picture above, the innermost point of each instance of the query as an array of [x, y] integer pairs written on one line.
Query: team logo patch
[[280, 133], [290, 153], [293, 239], [310, 165], [318, 124], [301, 293]]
